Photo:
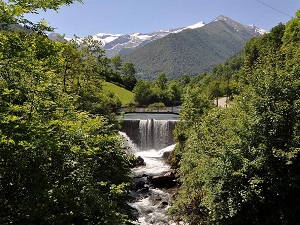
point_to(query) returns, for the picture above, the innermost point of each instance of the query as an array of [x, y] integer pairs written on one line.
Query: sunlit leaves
[[12, 12], [58, 165], [241, 165], [29, 6]]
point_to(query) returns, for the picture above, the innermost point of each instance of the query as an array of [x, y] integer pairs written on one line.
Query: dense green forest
[[161, 91], [222, 80], [61, 161], [241, 165], [192, 51]]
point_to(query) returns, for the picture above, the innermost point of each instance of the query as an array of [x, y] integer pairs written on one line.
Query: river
[[149, 137]]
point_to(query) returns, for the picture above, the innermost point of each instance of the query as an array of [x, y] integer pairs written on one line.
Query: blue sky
[[129, 16]]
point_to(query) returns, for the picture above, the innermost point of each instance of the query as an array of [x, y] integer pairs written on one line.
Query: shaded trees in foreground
[[61, 161]]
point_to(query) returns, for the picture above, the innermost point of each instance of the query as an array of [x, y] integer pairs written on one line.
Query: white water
[[152, 205], [150, 134], [155, 164]]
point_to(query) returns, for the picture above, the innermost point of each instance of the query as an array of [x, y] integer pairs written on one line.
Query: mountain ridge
[[192, 51], [119, 44], [179, 50]]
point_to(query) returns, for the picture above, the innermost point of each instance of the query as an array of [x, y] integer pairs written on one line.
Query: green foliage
[[193, 107], [128, 69], [142, 92], [223, 80], [241, 165], [129, 79], [12, 12], [175, 90], [206, 166], [147, 92], [61, 161], [116, 62], [258, 49], [185, 79], [157, 106], [161, 81], [292, 30]]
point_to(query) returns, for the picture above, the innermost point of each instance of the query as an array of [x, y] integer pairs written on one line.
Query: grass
[[124, 95]]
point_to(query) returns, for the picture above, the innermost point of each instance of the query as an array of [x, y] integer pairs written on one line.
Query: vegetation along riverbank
[[62, 160]]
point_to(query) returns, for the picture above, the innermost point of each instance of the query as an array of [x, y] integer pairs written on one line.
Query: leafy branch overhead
[[13, 12]]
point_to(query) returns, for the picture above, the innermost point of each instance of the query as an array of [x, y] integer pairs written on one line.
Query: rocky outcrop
[[165, 181], [168, 180], [137, 162]]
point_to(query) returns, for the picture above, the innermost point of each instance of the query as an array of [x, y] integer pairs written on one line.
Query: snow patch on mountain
[[117, 44], [256, 29], [197, 25], [106, 38]]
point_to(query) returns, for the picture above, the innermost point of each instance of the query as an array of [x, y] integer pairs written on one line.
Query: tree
[[59, 164], [161, 81], [157, 106], [116, 62], [129, 78], [185, 79], [194, 106], [241, 165], [12, 12], [292, 27], [90, 68], [142, 92], [174, 92], [215, 91]]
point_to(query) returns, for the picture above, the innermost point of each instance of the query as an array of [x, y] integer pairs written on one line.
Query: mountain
[[118, 44], [56, 37], [191, 51]]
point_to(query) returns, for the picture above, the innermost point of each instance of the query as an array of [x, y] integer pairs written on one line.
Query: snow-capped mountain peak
[[115, 44], [197, 25], [106, 37]]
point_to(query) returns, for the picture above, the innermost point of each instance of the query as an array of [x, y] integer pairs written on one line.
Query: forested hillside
[[61, 161], [240, 165], [190, 51]]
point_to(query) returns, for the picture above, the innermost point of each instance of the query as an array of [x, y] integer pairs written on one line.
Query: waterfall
[[150, 139], [149, 133]]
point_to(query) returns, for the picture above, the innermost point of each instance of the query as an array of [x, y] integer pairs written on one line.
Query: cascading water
[[149, 133], [150, 139]]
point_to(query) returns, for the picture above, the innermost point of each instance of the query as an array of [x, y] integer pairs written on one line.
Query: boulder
[[166, 181], [139, 185], [166, 155], [138, 161]]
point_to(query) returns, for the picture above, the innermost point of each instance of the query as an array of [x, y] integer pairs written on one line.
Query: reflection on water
[[155, 116]]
